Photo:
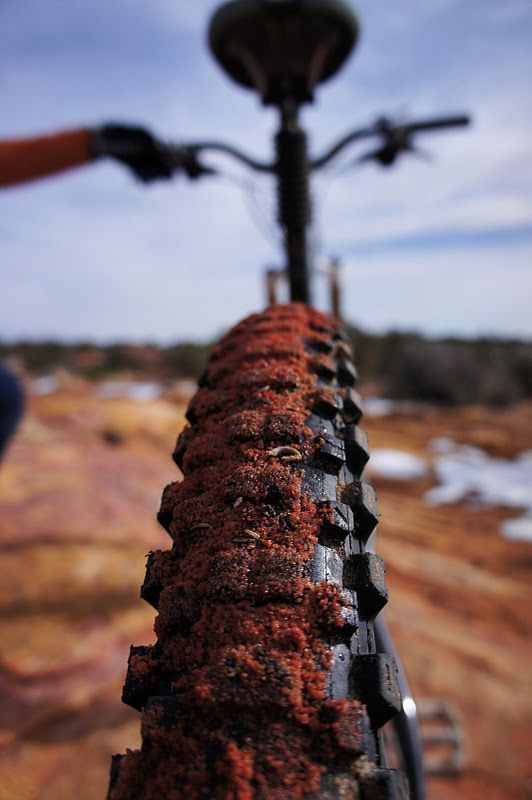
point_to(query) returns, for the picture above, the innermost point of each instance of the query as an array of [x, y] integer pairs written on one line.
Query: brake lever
[[387, 154]]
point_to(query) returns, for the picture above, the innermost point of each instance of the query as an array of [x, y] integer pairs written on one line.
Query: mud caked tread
[[340, 521], [264, 681], [167, 710], [151, 589], [114, 770]]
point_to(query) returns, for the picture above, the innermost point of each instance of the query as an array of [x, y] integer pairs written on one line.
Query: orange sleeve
[[26, 159]]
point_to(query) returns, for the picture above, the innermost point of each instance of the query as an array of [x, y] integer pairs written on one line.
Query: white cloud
[[475, 292]]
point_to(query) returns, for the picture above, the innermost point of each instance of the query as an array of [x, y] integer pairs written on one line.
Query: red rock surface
[[79, 490]]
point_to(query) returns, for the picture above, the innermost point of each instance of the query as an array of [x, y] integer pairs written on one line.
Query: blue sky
[[443, 247]]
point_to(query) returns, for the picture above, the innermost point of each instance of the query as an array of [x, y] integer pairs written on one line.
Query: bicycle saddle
[[282, 48]]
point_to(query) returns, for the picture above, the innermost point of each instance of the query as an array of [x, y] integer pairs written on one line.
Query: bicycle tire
[[264, 682]]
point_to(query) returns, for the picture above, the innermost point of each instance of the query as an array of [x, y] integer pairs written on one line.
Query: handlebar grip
[[440, 122]]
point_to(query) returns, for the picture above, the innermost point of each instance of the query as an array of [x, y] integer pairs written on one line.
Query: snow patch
[[378, 407], [384, 407], [141, 391], [466, 473], [519, 529], [47, 384], [397, 464]]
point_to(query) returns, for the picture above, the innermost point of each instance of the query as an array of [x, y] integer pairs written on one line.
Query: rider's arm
[[27, 159], [24, 160]]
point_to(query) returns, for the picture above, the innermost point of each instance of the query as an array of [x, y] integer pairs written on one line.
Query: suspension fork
[[294, 211]]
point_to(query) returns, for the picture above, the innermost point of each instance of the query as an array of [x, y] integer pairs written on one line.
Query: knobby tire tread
[[264, 682]]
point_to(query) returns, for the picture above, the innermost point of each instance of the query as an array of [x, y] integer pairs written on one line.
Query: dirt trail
[[79, 491], [460, 600]]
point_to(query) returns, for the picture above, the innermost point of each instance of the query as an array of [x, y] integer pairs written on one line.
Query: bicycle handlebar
[[434, 124], [223, 147], [186, 156], [349, 138], [391, 133]]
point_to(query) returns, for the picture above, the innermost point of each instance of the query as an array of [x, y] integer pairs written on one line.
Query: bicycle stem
[[294, 211]]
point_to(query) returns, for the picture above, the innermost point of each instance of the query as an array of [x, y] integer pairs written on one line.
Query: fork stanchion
[[335, 294], [406, 722]]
